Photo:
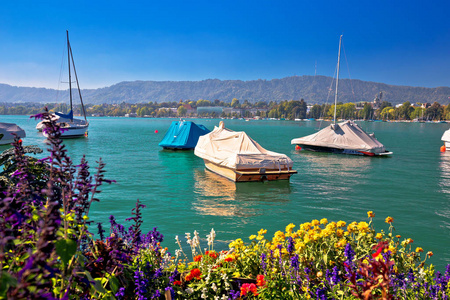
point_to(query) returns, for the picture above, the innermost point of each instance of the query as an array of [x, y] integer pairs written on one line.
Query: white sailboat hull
[[73, 130]]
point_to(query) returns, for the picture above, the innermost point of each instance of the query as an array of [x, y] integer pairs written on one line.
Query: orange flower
[[260, 280], [389, 220], [198, 258], [370, 214], [419, 250], [430, 254]]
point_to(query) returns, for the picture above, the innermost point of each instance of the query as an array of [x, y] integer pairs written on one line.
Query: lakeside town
[[283, 110]]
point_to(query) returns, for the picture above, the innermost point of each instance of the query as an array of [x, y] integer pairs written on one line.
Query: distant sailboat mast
[[70, 57], [70, 77], [337, 79]]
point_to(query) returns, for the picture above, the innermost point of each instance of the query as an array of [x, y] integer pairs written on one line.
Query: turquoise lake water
[[412, 186]]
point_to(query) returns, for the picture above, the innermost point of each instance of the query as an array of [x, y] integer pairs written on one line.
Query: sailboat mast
[[337, 79], [70, 78]]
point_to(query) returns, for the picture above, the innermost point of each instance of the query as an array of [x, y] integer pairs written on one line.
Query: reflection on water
[[332, 173], [445, 172], [219, 196], [444, 183]]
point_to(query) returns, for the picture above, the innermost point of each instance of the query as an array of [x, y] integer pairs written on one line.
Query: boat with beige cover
[[238, 157]]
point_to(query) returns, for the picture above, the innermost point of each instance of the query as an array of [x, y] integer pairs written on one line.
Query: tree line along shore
[[288, 109]]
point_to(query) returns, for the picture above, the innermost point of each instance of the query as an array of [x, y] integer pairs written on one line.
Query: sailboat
[[71, 127], [342, 138]]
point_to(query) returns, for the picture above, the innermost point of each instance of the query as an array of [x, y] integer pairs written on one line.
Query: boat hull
[[73, 132], [250, 175], [342, 151], [447, 146]]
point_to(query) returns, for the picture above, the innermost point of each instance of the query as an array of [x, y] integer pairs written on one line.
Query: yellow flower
[[289, 228], [262, 231], [252, 237], [363, 227], [324, 221], [419, 250], [305, 226], [429, 254], [370, 214], [236, 244], [352, 227], [379, 236], [341, 224], [389, 220], [339, 232], [315, 222]]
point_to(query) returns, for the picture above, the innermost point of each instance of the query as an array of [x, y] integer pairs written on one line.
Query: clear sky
[[395, 42]]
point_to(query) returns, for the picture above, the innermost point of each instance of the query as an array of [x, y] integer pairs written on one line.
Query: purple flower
[[295, 262], [120, 294], [290, 247], [335, 278], [263, 262]]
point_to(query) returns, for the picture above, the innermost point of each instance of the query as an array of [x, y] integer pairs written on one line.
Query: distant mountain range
[[313, 89]]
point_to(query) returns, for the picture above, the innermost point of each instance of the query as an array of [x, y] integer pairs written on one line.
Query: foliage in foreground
[[48, 252]]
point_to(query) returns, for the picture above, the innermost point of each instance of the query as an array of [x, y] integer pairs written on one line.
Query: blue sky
[[394, 42]]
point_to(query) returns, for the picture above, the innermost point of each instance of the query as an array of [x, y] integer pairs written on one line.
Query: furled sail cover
[[236, 150], [183, 135], [7, 129], [345, 135], [69, 115]]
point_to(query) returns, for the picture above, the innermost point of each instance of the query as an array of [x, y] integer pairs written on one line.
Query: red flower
[[195, 273], [249, 287], [380, 246], [228, 259], [177, 282], [198, 258], [260, 280], [211, 254]]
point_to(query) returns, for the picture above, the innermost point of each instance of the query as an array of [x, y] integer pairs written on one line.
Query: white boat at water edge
[[71, 127], [8, 132]]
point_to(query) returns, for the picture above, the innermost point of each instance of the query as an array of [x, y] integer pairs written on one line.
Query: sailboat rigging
[[342, 138], [71, 127]]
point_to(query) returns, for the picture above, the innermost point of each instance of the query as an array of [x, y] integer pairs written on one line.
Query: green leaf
[[66, 249], [114, 284], [6, 280]]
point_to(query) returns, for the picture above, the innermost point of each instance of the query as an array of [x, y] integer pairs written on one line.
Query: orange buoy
[[443, 148], [156, 131], [298, 148]]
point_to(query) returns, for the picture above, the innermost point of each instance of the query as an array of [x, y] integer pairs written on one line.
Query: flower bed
[[47, 250]]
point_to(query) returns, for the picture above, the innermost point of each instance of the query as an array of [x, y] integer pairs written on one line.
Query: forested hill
[[313, 89]]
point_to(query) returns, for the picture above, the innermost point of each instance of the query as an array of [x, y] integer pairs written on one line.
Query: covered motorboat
[[343, 138], [183, 135], [8, 132], [238, 157]]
